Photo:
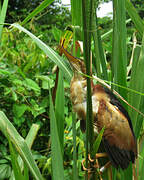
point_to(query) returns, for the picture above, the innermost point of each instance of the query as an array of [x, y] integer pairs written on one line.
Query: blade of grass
[[86, 14], [105, 35], [9, 131], [59, 110], [138, 84], [119, 56], [2, 16], [135, 17], [142, 171], [98, 49], [75, 170], [15, 165], [119, 50], [42, 6], [114, 173], [76, 14], [97, 142], [48, 51], [32, 134], [56, 154], [76, 11], [87, 41], [133, 79], [26, 172], [29, 140]]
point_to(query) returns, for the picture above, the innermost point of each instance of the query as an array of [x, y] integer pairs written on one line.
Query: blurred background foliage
[[25, 71], [55, 15]]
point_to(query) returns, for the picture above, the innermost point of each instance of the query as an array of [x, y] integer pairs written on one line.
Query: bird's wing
[[118, 138], [114, 101]]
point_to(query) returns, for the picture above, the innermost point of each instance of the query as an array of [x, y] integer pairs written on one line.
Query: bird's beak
[[75, 62]]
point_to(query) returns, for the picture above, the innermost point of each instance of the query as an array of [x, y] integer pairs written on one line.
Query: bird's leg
[[96, 166], [101, 169], [98, 155], [89, 170], [84, 168], [98, 169]]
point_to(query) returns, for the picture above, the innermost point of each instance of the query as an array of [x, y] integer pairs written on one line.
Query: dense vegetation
[[34, 84]]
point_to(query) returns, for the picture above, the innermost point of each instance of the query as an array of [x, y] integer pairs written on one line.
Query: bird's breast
[[78, 90]]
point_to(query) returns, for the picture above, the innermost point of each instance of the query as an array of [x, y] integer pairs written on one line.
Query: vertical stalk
[[138, 100], [76, 21], [119, 55], [75, 172], [59, 110], [98, 49], [86, 14], [76, 12], [2, 16]]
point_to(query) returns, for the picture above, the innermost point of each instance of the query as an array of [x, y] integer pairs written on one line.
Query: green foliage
[[20, 146], [59, 110], [3, 11], [56, 145], [119, 54], [138, 4], [44, 15], [19, 86], [27, 77], [5, 170]]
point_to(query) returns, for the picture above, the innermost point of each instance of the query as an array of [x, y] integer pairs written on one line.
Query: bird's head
[[77, 64]]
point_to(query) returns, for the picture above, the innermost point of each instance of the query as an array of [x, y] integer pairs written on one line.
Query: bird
[[118, 139]]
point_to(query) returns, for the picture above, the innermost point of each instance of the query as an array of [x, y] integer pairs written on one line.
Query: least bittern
[[118, 139]]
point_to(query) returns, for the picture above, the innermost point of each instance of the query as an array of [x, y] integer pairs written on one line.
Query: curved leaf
[[48, 51]]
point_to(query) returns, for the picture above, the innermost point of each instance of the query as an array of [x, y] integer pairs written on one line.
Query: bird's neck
[[78, 89]]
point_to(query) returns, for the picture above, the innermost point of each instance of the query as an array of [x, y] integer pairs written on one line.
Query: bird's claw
[[84, 168], [96, 166]]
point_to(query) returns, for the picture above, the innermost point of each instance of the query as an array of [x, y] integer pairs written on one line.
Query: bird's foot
[[94, 165]]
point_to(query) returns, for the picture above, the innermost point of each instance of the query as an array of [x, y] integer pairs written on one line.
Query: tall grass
[[3, 10], [19, 146], [119, 61], [85, 11]]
